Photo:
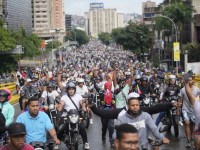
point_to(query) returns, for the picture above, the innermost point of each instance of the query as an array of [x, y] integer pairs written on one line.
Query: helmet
[[172, 77], [144, 78], [137, 77], [80, 80], [6, 93], [71, 85], [50, 85]]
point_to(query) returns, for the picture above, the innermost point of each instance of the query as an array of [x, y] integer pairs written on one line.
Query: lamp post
[[176, 35], [186, 60]]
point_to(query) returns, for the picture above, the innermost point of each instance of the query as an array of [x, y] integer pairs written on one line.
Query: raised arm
[[188, 90], [107, 114]]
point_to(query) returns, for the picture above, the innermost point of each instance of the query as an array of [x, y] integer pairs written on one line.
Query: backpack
[[2, 122]]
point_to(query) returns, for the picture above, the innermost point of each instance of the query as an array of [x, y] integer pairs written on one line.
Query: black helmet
[[71, 85], [50, 85], [144, 78]]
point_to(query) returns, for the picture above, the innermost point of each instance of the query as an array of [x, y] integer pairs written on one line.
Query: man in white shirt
[[67, 104], [81, 88], [49, 93]]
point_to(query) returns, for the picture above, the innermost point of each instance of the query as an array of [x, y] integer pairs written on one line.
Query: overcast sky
[[78, 7]]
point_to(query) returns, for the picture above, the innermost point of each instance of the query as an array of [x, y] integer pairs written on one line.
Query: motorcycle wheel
[[175, 124], [75, 142]]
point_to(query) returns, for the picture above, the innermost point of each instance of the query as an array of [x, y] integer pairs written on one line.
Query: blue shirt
[[35, 127]]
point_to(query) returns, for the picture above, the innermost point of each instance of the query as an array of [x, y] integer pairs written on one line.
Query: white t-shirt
[[50, 74], [81, 91], [53, 94], [68, 104]]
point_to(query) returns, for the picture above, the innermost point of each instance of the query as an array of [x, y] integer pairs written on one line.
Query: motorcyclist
[[50, 92], [67, 104], [6, 108], [136, 83], [171, 90], [81, 88], [142, 121], [27, 91], [145, 87]]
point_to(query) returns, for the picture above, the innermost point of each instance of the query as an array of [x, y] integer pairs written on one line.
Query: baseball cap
[[28, 80], [16, 129]]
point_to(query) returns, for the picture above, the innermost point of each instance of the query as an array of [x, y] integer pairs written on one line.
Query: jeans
[[107, 124], [160, 116]]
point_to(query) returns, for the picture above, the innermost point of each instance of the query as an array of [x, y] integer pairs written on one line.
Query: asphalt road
[[94, 136]]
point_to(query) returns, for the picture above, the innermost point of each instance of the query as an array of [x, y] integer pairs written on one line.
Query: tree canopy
[[77, 35], [105, 37]]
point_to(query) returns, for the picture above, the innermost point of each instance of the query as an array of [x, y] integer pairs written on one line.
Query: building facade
[[99, 19], [120, 20], [17, 14], [195, 32], [41, 16], [48, 19], [58, 14], [68, 22], [148, 12]]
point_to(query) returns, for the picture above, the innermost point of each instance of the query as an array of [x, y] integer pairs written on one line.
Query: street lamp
[[176, 35]]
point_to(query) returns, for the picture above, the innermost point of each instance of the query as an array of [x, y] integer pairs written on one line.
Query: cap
[[133, 94], [16, 129], [28, 80]]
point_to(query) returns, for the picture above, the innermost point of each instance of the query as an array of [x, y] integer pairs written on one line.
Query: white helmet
[[172, 76], [80, 80]]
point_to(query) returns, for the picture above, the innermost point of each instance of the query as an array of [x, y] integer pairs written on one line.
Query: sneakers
[[91, 121], [188, 144], [87, 146]]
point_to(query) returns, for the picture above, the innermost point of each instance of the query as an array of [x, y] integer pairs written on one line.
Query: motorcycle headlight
[[73, 118], [157, 85], [146, 101], [51, 106]]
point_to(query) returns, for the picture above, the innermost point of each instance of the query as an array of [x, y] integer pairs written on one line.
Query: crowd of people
[[120, 83]]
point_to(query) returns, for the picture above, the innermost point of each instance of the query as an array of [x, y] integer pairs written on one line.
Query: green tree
[[134, 37], [54, 44], [105, 37], [77, 35], [30, 43], [7, 42]]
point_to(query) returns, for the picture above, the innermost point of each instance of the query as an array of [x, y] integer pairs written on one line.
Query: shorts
[[187, 116]]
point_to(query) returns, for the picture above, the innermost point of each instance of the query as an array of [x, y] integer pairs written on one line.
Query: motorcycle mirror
[[163, 128]]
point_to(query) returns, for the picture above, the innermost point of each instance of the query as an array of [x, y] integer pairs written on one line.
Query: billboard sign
[[96, 5], [176, 51]]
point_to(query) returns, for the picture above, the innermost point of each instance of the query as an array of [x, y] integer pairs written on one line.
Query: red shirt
[[26, 147]]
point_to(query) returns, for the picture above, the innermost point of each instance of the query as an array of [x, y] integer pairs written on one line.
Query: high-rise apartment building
[[99, 20], [58, 14], [68, 22], [42, 18], [148, 12], [120, 20], [17, 14], [48, 16]]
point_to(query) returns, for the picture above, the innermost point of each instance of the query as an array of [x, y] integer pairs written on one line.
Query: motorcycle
[[171, 118], [52, 112], [68, 131], [147, 101]]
